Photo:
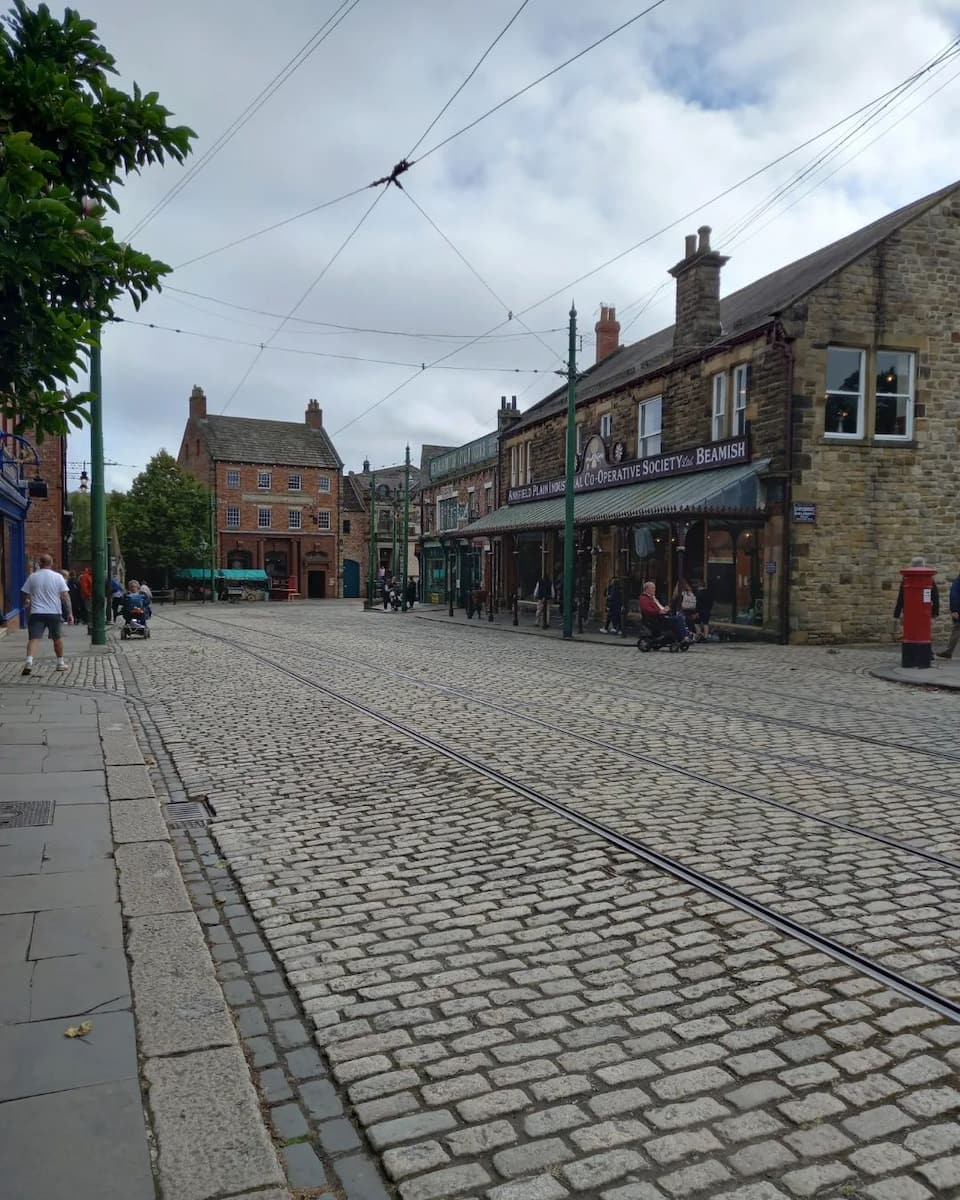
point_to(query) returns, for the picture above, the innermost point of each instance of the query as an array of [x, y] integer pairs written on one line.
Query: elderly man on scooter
[[657, 615]]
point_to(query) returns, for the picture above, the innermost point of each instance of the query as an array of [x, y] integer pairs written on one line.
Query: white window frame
[[741, 397], [910, 396], [645, 435], [323, 518], [233, 479], [323, 483], [606, 426], [294, 518], [295, 486], [861, 399], [233, 516], [264, 518], [718, 408], [513, 475], [261, 476]]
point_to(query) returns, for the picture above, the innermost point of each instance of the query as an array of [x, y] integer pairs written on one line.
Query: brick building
[[277, 492], [33, 520], [389, 486], [793, 444]]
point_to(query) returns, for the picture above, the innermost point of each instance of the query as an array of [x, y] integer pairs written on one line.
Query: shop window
[[233, 517], [323, 518], [895, 394], [843, 413], [741, 394], [233, 479], [649, 426], [718, 428], [263, 481], [346, 525], [263, 518]]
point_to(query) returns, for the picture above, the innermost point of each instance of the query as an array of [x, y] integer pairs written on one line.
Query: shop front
[[701, 516]]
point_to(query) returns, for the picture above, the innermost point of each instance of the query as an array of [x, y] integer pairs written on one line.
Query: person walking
[[76, 600], [955, 618], [86, 593], [704, 608], [543, 593], [614, 608], [47, 598]]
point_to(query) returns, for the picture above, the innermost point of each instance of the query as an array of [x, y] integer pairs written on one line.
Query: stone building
[[277, 493], [793, 444], [461, 486], [388, 484]]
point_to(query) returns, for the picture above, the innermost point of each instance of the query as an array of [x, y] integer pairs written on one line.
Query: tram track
[[913, 989], [491, 704]]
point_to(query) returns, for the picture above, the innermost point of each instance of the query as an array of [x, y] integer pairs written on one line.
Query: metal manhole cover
[[14, 814], [187, 814]]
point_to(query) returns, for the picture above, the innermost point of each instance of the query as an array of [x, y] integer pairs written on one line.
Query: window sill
[[875, 443]]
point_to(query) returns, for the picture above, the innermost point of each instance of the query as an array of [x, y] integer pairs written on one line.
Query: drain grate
[[187, 814], [14, 814]]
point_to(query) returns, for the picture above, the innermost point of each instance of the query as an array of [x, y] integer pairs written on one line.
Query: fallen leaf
[[79, 1031], [150, 761]]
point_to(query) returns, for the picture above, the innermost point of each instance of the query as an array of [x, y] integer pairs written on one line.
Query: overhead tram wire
[[474, 69], [405, 164], [326, 267], [630, 249], [913, 83], [312, 44], [476, 274], [360, 358]]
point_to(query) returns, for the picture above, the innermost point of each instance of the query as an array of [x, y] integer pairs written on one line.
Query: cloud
[[659, 119]]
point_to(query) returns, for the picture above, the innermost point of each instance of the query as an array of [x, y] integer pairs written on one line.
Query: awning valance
[[727, 490], [228, 576]]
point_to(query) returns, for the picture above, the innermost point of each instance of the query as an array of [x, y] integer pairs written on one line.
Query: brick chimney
[[314, 415], [607, 330], [198, 404], [698, 293], [507, 415]]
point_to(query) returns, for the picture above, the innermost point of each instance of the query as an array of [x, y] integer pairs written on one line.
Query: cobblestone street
[[513, 1007]]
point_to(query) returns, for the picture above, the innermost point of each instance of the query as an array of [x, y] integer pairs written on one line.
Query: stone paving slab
[[178, 999], [212, 1140], [37, 1057], [69, 889], [53, 1145], [72, 931], [150, 882]]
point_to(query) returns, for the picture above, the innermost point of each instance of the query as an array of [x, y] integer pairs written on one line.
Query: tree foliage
[[66, 134], [164, 519], [81, 551]]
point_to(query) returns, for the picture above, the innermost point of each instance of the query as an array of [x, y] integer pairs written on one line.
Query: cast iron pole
[[98, 507], [568, 490], [405, 546], [371, 569]]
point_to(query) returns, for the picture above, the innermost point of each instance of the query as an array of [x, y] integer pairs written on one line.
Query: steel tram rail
[[916, 992], [636, 756]]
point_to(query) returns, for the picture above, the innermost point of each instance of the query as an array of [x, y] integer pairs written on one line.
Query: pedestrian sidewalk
[[943, 673], [503, 620], [105, 977]]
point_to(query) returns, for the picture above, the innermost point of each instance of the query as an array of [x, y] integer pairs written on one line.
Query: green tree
[[66, 134], [163, 520], [79, 504]]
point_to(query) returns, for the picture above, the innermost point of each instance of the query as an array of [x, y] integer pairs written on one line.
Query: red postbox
[[916, 647]]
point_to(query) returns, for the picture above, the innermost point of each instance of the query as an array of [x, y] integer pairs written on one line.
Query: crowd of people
[[392, 591]]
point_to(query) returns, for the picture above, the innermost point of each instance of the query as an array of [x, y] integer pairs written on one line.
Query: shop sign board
[[804, 514], [595, 472]]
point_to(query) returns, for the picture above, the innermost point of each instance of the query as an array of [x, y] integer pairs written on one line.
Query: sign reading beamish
[[597, 473]]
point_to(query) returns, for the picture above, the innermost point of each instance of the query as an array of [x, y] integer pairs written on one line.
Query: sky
[[656, 122]]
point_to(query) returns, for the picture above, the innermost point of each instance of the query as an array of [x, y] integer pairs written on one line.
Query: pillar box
[[916, 648]]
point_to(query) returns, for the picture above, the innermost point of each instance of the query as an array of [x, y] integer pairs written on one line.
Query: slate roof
[[742, 311], [427, 452], [252, 440], [391, 476], [352, 501]]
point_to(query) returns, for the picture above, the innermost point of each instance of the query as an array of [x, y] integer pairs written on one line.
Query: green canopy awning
[[200, 575], [725, 490]]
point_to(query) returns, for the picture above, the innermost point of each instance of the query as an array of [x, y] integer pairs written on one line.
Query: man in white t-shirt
[[47, 597]]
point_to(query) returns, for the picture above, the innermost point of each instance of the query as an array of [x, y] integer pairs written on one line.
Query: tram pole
[[371, 569], [405, 544], [571, 465]]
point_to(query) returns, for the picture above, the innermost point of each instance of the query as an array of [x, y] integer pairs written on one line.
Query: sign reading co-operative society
[[596, 472]]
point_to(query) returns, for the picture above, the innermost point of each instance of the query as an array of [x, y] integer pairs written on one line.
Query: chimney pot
[[513, 403], [366, 466], [690, 245], [607, 330], [704, 232], [198, 403], [314, 414]]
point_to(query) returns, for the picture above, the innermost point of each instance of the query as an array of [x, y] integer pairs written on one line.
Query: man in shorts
[[48, 598]]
